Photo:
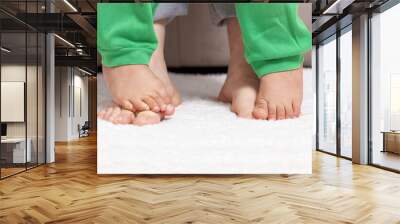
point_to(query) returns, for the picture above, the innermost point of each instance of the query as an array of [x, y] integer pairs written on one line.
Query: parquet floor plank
[[70, 191]]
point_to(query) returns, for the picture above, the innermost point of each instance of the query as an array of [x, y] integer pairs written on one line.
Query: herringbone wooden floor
[[70, 191]]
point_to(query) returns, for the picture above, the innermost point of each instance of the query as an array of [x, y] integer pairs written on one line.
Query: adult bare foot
[[240, 87], [136, 88], [116, 115], [280, 95], [159, 68]]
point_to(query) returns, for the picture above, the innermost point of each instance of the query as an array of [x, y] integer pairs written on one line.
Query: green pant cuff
[[126, 56], [266, 67]]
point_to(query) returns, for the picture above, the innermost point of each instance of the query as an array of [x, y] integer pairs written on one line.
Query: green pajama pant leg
[[125, 33], [274, 36]]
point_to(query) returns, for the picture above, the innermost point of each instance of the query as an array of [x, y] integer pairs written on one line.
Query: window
[[22, 88], [327, 96], [346, 92], [385, 89], [395, 101]]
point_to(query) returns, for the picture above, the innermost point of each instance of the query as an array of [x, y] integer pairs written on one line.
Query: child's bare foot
[[116, 115], [280, 95], [147, 118], [136, 88], [240, 88]]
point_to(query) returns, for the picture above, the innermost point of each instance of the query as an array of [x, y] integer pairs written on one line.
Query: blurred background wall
[[193, 41]]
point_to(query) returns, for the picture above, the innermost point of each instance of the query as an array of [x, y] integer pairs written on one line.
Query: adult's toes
[[127, 105], [261, 110], [152, 103], [160, 102], [139, 105], [164, 96], [280, 112], [176, 100], [272, 112], [147, 117], [260, 113], [170, 110], [289, 111], [296, 108]]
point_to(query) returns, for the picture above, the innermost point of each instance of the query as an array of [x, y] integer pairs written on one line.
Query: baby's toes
[[101, 114], [107, 113], [147, 117], [126, 117], [114, 116]]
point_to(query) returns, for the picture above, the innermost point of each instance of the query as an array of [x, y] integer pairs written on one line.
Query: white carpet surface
[[204, 137]]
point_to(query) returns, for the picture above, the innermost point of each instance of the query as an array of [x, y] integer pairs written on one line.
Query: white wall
[[314, 85], [70, 83], [80, 83], [62, 81]]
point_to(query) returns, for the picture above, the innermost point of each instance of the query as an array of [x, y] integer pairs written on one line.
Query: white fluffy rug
[[204, 137]]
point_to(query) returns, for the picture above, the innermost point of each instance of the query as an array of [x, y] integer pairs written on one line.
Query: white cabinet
[[16, 148]]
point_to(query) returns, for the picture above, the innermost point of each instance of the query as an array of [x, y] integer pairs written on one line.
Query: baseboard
[[199, 69], [196, 69]]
